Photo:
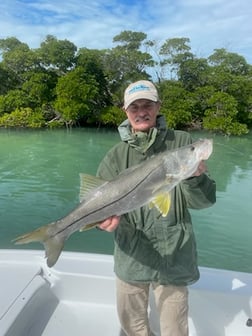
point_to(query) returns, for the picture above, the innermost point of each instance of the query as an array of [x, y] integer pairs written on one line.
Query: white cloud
[[209, 24]]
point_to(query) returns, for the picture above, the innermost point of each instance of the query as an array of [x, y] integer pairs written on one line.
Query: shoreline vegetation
[[59, 85]]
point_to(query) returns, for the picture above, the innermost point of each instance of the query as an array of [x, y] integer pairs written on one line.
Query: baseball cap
[[142, 89]]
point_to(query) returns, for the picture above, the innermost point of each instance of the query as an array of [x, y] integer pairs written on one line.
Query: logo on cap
[[139, 87]]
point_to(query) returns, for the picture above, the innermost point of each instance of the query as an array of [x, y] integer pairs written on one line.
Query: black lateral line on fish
[[77, 220]]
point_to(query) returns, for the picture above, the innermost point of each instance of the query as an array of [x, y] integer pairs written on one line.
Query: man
[[151, 249]]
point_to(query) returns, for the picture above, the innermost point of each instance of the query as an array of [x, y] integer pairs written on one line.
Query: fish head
[[202, 148], [189, 157]]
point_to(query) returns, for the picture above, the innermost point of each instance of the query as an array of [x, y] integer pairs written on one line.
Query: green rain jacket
[[149, 247]]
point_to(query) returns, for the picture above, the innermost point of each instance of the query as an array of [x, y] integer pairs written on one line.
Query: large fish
[[147, 183]]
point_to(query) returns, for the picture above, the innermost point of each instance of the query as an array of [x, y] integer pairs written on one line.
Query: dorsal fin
[[87, 183]]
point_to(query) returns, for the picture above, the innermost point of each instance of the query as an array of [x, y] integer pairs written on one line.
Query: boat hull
[[77, 296]]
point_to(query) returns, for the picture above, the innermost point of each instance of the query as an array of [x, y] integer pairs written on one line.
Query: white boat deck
[[77, 298]]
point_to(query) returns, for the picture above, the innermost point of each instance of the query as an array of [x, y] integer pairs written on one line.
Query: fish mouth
[[209, 149]]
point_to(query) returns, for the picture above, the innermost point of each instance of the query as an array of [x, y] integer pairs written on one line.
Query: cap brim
[[147, 96]]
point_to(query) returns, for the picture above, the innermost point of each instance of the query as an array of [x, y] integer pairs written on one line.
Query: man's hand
[[110, 224]]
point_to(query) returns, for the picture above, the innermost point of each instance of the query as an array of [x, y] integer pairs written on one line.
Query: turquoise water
[[39, 175]]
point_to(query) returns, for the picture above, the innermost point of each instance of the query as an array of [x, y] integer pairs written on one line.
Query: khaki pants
[[171, 302]]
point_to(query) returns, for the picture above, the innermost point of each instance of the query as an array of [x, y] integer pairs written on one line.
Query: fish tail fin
[[39, 235], [53, 245]]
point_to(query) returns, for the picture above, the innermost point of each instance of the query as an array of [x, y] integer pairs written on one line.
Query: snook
[[147, 183]]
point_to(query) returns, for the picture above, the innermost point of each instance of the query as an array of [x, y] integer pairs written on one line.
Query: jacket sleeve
[[199, 191], [107, 169]]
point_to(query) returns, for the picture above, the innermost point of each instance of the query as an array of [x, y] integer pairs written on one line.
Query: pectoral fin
[[88, 227], [162, 202]]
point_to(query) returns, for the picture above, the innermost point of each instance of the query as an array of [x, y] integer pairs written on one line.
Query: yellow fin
[[162, 202], [88, 227], [87, 183]]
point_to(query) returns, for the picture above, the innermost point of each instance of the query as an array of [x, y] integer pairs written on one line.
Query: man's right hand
[[110, 224]]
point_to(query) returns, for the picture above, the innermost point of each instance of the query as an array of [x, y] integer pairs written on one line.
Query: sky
[[209, 24]]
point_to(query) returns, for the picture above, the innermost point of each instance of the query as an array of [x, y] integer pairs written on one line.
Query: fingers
[[110, 224]]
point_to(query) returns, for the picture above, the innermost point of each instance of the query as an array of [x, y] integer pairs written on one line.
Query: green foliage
[[129, 39], [112, 116], [57, 54], [225, 125], [56, 124], [58, 84], [5, 82], [199, 98], [174, 52], [194, 73], [10, 44], [175, 106], [229, 62], [126, 62], [37, 89], [12, 100], [23, 117], [76, 92], [91, 61], [221, 114]]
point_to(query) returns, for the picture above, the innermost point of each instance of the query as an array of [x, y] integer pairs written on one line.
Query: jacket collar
[[141, 140]]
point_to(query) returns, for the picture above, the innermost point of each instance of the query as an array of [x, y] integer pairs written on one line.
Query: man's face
[[142, 114]]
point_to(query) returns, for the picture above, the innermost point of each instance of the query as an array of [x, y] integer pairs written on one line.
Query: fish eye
[[192, 148]]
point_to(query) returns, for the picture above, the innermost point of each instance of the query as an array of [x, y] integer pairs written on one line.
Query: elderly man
[[151, 250]]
